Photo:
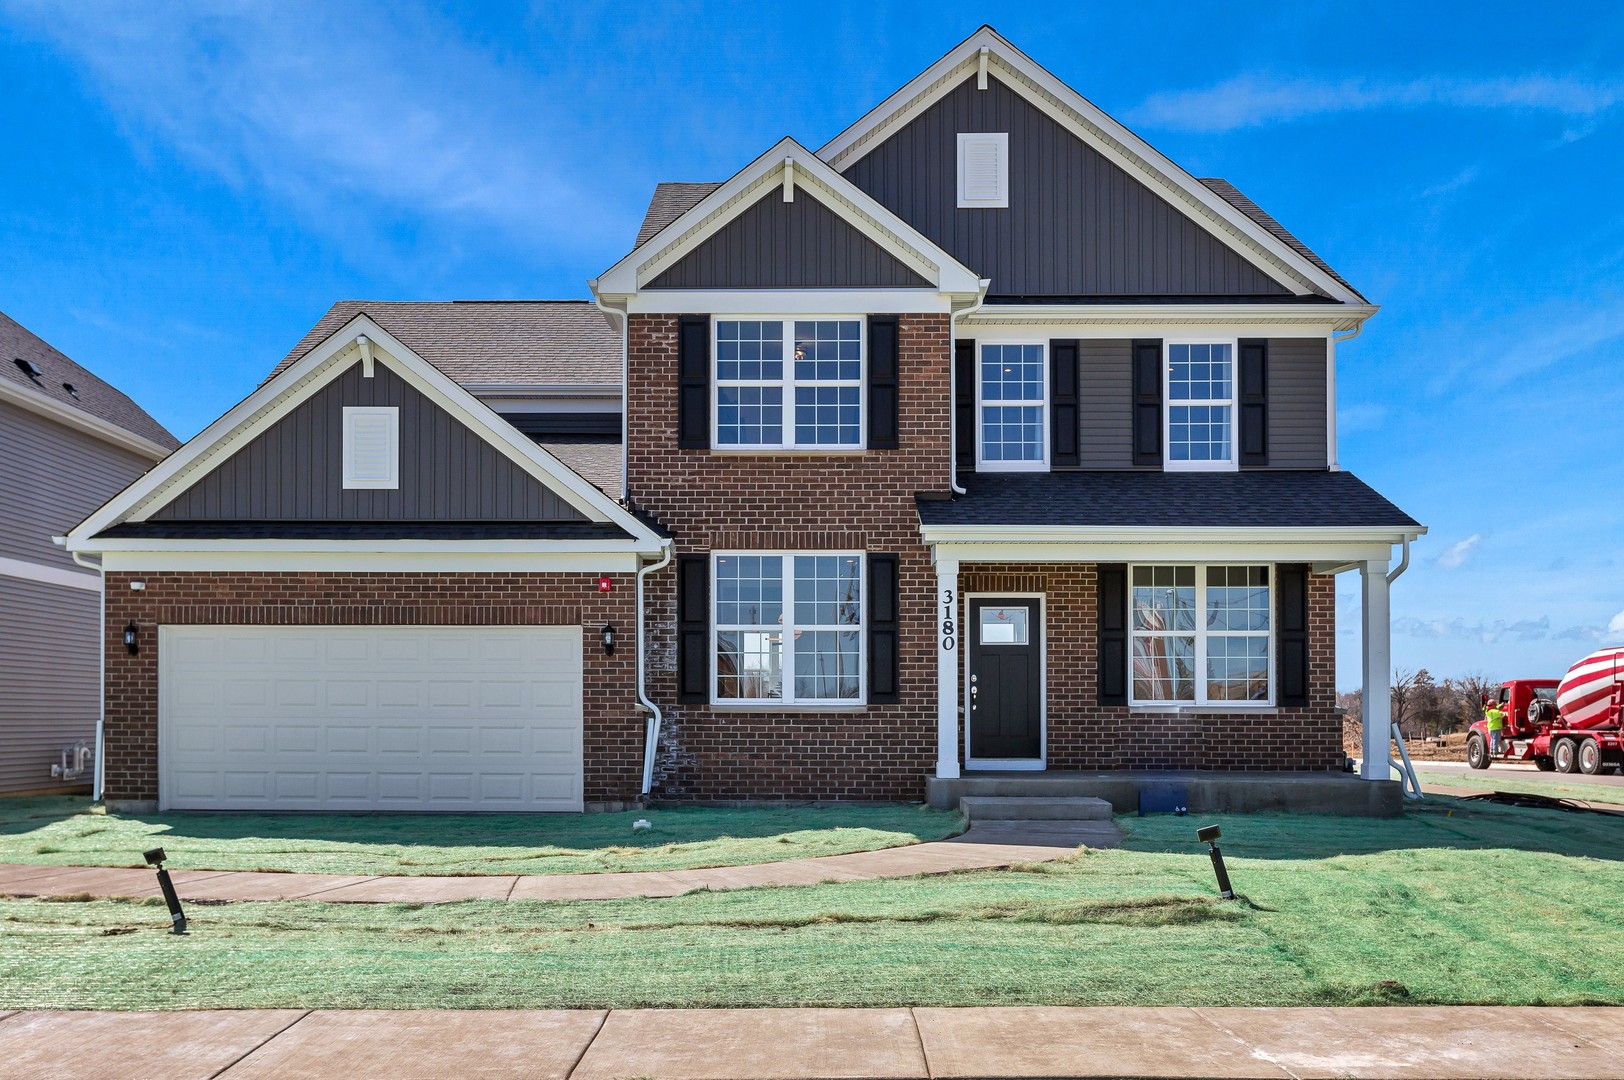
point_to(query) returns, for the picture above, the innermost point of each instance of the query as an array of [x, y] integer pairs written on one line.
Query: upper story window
[[371, 446], [1201, 635], [1200, 405], [983, 169], [1012, 388], [789, 383], [788, 627]]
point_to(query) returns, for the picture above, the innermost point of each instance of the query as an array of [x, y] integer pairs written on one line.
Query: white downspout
[[952, 384], [101, 682], [1332, 454], [1412, 784], [651, 736], [625, 321]]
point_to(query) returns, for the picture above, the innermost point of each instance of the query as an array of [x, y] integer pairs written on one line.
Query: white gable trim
[[703, 220], [296, 383], [1099, 130]]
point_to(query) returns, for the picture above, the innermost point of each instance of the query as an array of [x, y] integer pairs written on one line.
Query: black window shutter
[[693, 628], [1063, 400], [693, 382], [964, 403], [1291, 633], [1253, 400], [883, 363], [1112, 643], [1147, 401], [883, 603]]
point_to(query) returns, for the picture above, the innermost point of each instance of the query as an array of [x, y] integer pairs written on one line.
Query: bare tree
[[1473, 687], [1403, 695]]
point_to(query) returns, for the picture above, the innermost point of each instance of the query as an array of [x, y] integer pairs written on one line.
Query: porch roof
[[1306, 499]]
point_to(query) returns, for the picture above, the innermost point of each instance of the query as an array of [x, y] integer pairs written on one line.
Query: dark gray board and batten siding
[[1295, 409], [788, 245], [1076, 224], [294, 470]]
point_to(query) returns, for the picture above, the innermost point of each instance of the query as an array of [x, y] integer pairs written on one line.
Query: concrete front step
[[1033, 808]]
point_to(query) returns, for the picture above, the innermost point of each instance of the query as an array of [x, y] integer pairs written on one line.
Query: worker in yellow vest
[[1494, 718]]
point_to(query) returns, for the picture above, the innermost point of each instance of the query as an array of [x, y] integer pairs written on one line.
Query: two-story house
[[983, 438]]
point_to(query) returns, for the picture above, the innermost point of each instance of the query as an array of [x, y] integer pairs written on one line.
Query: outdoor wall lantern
[[131, 645], [608, 638], [1209, 836]]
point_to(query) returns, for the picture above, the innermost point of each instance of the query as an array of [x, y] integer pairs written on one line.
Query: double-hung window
[[1201, 405], [1013, 388], [1201, 635], [788, 627], [789, 384]]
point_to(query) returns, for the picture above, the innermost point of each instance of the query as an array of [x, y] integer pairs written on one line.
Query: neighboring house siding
[[1076, 224], [780, 245], [49, 672], [783, 502], [54, 478], [612, 737], [294, 470], [1297, 400]]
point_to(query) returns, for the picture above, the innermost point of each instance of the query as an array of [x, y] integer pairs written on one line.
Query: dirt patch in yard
[[1442, 748]]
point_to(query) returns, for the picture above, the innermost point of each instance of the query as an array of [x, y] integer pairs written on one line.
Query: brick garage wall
[[613, 736], [783, 501], [1086, 735]]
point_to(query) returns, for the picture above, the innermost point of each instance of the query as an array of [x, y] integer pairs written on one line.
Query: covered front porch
[[1204, 655]]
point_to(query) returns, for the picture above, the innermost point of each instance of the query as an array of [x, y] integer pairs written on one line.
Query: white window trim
[[788, 700], [788, 384], [1201, 633], [1232, 464], [982, 464], [1001, 200], [351, 481]]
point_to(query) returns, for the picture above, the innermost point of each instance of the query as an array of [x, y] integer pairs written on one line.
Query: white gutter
[[101, 660], [651, 737], [625, 403], [1403, 563], [952, 383], [1069, 534]]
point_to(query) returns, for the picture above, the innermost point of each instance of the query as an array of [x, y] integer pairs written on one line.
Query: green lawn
[[1552, 784], [1454, 903], [61, 831]]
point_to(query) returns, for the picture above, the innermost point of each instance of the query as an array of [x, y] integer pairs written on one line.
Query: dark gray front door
[[1006, 678]]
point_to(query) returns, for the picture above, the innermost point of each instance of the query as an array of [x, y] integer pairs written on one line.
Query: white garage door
[[369, 718]]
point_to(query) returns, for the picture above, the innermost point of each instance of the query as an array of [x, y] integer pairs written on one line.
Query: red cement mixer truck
[[1571, 725]]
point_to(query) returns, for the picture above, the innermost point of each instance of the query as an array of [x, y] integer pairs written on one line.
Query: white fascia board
[[1138, 534], [361, 547], [48, 407], [1153, 318], [542, 390], [1163, 552], [779, 301], [280, 395], [374, 562], [49, 575], [855, 206], [1094, 126]]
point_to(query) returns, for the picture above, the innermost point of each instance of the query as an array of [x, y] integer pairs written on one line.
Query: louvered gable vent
[[983, 169], [372, 447]]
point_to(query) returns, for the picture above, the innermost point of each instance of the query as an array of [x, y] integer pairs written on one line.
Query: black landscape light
[[155, 857], [131, 645], [1208, 835], [609, 638]]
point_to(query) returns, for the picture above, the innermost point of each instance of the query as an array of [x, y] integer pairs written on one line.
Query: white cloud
[[1615, 628], [1252, 100], [1454, 557], [1488, 633], [343, 121]]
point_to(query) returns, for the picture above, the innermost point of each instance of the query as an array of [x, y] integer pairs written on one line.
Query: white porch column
[[1377, 714], [948, 634]]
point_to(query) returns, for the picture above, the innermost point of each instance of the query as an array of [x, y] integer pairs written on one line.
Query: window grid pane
[[749, 378], [1229, 643], [823, 648], [749, 621], [1200, 392], [1014, 386]]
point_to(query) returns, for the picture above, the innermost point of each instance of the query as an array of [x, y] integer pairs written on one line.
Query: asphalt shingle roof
[[1233, 196], [671, 200], [595, 459], [1252, 499], [96, 398], [508, 342]]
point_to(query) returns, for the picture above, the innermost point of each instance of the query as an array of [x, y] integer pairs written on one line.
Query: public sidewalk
[[760, 1044], [987, 846]]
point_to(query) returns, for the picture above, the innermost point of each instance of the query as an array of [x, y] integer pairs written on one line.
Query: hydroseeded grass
[[1454, 903], [70, 832]]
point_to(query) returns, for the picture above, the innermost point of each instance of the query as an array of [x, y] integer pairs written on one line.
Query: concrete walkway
[[986, 846], [761, 1044]]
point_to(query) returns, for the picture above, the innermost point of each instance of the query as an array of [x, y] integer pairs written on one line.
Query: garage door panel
[[409, 718]]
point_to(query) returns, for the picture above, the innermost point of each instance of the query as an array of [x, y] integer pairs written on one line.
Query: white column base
[[949, 628]]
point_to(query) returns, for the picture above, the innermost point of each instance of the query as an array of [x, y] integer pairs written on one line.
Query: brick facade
[[714, 500], [613, 736]]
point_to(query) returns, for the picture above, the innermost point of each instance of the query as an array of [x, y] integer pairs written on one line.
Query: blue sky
[[189, 188]]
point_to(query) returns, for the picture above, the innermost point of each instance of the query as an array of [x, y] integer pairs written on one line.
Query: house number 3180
[[949, 631]]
